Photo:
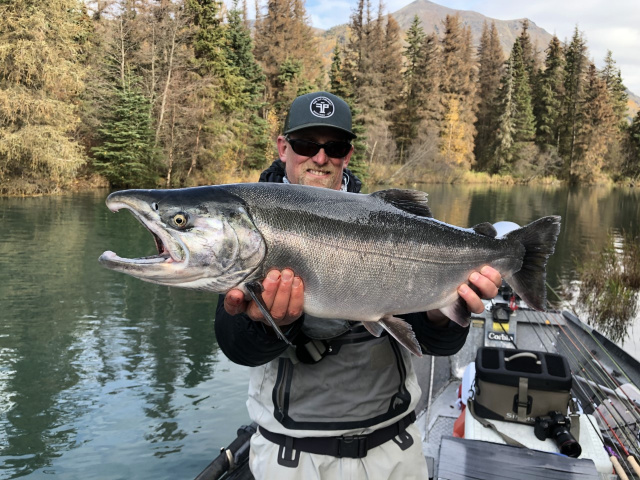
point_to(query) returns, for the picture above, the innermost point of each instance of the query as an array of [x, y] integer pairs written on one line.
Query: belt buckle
[[352, 446]]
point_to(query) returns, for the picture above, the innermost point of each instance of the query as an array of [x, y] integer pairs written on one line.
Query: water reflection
[[96, 367]]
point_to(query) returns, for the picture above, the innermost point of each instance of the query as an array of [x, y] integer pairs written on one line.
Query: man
[[341, 403]]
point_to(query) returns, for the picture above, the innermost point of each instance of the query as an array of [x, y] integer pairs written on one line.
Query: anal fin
[[255, 292], [402, 332]]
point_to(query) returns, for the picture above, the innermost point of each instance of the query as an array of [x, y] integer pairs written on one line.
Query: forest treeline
[[173, 93]]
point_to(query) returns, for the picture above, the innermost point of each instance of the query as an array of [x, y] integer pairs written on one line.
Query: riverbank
[[392, 174]]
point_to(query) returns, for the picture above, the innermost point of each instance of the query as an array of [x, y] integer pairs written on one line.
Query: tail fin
[[539, 240]]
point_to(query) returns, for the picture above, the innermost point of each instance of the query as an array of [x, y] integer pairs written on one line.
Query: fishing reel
[[556, 426]]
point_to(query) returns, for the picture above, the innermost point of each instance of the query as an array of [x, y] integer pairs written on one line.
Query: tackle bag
[[520, 385]]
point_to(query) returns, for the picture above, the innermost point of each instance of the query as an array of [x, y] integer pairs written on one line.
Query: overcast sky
[[606, 24]]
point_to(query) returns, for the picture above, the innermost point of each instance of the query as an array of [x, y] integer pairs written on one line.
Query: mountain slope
[[432, 16]]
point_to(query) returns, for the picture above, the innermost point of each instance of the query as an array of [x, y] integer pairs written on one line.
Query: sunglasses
[[307, 148]]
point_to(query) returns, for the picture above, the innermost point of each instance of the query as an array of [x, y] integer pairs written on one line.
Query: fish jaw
[[211, 251]]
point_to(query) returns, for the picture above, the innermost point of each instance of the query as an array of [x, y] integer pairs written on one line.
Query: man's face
[[318, 170]]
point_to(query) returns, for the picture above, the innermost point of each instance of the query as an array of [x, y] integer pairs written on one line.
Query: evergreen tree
[[631, 167], [363, 67], [529, 54], [457, 95], [409, 113], [506, 122], [491, 63], [524, 120], [41, 80], [392, 83], [572, 112], [126, 155], [548, 105], [255, 145], [595, 132], [340, 87], [617, 91], [283, 38]]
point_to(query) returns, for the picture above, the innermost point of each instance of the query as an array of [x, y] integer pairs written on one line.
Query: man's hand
[[486, 282], [283, 295]]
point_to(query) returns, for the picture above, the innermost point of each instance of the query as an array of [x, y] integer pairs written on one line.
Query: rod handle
[[634, 464], [618, 468]]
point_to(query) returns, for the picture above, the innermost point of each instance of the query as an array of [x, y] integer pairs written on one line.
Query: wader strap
[[486, 423], [346, 446], [523, 403]]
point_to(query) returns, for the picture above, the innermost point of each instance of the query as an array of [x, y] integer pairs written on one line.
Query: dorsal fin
[[410, 201], [485, 228]]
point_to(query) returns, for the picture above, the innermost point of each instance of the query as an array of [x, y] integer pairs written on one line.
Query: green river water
[[103, 376]]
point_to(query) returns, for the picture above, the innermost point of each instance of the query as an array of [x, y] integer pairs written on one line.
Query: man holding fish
[[331, 399]]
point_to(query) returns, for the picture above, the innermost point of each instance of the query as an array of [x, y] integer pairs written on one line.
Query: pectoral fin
[[458, 312], [402, 332], [255, 292], [374, 328]]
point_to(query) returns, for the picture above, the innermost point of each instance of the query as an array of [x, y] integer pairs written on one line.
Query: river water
[[103, 376]]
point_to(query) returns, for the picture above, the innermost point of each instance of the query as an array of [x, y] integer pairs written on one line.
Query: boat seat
[[462, 459]]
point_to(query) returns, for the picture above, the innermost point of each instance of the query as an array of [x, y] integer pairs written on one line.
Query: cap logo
[[322, 107]]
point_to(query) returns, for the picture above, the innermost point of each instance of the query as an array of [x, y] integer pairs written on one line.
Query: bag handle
[[530, 355]]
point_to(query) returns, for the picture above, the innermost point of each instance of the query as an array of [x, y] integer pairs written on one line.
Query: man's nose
[[321, 157]]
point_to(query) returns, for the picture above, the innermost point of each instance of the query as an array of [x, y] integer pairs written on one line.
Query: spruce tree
[[506, 122], [595, 132], [548, 103], [126, 155], [340, 87], [409, 112], [255, 144], [576, 68], [617, 91], [524, 120], [41, 80], [491, 64], [457, 95], [392, 83], [631, 167], [283, 38]]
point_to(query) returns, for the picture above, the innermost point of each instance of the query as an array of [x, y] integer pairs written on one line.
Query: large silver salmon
[[361, 257]]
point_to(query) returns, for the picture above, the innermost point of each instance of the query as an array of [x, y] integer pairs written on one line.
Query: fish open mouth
[[170, 250]]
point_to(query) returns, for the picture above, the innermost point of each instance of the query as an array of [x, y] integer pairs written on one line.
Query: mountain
[[432, 17]]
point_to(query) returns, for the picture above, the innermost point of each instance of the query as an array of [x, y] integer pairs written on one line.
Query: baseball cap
[[318, 109]]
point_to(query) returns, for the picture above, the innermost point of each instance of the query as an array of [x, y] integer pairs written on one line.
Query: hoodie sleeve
[[249, 343], [439, 341]]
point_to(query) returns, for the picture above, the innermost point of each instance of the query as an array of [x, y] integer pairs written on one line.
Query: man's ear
[[347, 158], [282, 148]]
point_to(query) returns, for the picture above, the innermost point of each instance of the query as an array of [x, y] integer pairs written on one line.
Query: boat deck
[[456, 459]]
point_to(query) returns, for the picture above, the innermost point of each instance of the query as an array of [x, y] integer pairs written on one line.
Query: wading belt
[[352, 446]]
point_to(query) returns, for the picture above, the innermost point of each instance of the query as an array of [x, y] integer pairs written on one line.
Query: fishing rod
[[631, 405], [630, 461], [605, 400], [589, 331], [619, 468]]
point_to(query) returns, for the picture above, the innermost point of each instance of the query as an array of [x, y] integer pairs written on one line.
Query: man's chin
[[327, 181]]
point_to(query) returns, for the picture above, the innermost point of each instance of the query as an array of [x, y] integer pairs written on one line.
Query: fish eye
[[154, 205], [180, 220]]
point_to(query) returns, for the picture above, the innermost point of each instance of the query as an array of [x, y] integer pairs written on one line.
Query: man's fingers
[[234, 302], [280, 306], [296, 302], [493, 275], [485, 285], [474, 303], [270, 288]]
